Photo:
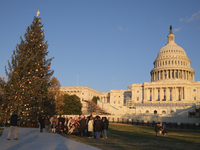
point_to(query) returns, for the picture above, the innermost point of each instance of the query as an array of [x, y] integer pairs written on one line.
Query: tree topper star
[[38, 12]]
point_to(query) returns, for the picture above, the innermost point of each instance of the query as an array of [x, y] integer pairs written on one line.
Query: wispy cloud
[[120, 27], [177, 29], [195, 16], [113, 78]]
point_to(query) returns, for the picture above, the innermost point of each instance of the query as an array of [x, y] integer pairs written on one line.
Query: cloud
[[195, 16], [120, 27], [177, 29], [113, 78]]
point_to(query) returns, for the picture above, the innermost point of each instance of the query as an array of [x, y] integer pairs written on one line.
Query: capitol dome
[[172, 63]]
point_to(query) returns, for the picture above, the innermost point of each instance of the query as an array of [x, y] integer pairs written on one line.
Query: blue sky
[[110, 44]]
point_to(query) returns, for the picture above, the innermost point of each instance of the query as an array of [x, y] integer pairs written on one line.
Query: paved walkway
[[33, 139]]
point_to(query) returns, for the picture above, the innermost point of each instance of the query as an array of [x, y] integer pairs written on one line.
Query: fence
[[153, 123]]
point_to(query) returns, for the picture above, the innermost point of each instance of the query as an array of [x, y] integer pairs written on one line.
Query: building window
[[118, 102], [164, 95], [195, 98], [194, 90], [163, 112], [172, 74], [172, 112], [155, 112], [177, 74], [169, 74], [169, 62], [114, 102], [119, 96], [179, 94], [150, 95], [158, 95], [170, 95], [137, 98], [147, 111]]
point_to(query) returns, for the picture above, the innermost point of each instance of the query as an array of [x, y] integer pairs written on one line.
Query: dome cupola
[[172, 63]]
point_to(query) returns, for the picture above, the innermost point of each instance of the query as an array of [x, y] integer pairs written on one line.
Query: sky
[[105, 44]]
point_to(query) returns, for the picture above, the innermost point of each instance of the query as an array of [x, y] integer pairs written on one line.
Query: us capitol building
[[172, 91]]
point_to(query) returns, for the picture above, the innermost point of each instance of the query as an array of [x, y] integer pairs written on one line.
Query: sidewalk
[[33, 139]]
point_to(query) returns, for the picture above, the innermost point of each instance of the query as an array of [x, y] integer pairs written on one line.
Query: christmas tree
[[28, 77]]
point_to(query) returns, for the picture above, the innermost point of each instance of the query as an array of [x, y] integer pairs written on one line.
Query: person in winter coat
[[53, 127], [82, 127], [46, 124], [158, 129], [164, 130], [98, 127], [41, 121], [105, 124], [90, 126], [13, 125]]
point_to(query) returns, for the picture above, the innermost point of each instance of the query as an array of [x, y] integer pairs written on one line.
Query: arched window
[[150, 95], [147, 111], [163, 112], [172, 112], [155, 112], [158, 95]]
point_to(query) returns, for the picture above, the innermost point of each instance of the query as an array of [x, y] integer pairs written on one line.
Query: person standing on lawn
[[105, 124], [13, 125], [98, 127]]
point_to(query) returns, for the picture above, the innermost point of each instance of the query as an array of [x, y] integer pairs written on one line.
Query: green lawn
[[123, 137]]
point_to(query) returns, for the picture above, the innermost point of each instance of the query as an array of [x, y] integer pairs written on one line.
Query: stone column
[[193, 76], [181, 74], [170, 74], [182, 94]]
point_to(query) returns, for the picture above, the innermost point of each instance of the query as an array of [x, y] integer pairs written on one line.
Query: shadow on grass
[[133, 137]]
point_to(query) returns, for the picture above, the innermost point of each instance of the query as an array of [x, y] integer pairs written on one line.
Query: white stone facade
[[172, 90]]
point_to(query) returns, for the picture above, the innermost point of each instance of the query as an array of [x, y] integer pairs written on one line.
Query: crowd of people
[[81, 126], [161, 129]]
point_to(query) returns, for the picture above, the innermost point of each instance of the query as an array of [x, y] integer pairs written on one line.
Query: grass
[[123, 137]]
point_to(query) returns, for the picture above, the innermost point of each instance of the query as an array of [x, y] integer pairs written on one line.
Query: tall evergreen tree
[[28, 76]]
